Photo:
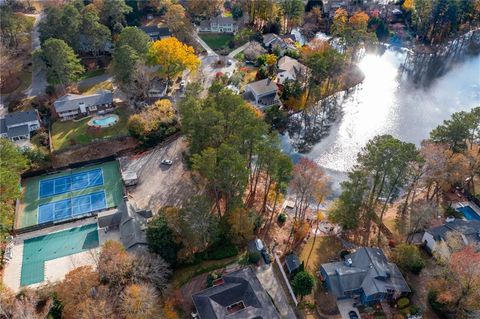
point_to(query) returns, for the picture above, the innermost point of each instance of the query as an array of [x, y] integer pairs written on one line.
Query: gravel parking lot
[[160, 184]]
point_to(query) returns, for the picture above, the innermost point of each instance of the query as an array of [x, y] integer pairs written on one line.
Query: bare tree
[[152, 269]]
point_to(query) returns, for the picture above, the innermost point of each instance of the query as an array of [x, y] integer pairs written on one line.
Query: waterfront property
[[469, 210], [238, 294], [435, 238], [366, 276], [68, 195], [290, 69], [73, 106], [17, 126]]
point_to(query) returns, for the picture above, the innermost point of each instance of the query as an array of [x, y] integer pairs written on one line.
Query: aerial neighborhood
[[246, 159]]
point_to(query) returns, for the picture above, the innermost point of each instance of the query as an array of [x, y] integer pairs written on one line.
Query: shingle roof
[[156, 30], [290, 65], [132, 227], [369, 271], [292, 262], [18, 131], [263, 86], [16, 118], [469, 228], [70, 102], [222, 20], [241, 285]]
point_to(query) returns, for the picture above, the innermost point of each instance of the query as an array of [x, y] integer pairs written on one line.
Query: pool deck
[[55, 269]]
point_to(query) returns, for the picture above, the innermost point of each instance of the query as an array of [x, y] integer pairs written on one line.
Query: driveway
[[39, 76], [345, 306], [160, 185], [232, 54], [269, 281]]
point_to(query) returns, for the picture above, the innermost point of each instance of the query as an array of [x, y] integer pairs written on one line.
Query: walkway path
[[232, 54], [204, 44]]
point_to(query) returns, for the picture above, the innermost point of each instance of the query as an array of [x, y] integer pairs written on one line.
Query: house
[[262, 93], [158, 88], [273, 41], [292, 264], [290, 69], [434, 239], [155, 32], [366, 276], [236, 295], [71, 106], [219, 24], [17, 126]]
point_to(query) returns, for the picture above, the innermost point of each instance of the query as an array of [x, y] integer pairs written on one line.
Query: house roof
[[70, 102], [3, 126], [239, 286], [21, 130], [155, 30], [16, 118], [263, 86], [292, 262], [368, 269], [288, 64], [469, 228], [269, 37], [223, 20], [132, 227]]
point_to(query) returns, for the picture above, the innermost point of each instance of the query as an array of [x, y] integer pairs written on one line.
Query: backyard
[[216, 41], [69, 133]]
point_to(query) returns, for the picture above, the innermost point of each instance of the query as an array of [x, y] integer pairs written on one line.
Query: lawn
[[70, 133], [92, 73], [324, 249], [216, 41], [105, 85]]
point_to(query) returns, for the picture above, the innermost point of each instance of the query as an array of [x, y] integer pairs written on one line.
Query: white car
[[259, 244], [167, 162]]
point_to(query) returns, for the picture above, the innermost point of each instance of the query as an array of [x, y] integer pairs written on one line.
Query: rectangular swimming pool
[[469, 213]]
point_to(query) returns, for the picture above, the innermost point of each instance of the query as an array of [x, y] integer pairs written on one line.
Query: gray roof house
[[238, 295], [155, 32], [434, 238], [262, 94], [219, 24], [365, 275], [71, 106], [291, 69], [272, 40], [17, 126]]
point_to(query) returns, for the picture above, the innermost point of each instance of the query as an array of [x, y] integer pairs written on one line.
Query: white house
[[17, 126], [262, 94], [71, 106], [290, 69], [219, 24], [434, 238]]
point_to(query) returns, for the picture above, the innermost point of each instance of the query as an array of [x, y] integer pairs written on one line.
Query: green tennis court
[[33, 197], [37, 250]]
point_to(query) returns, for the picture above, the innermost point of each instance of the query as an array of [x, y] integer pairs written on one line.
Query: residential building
[[236, 295], [156, 32], [219, 24], [72, 106], [17, 126], [273, 41], [262, 93], [366, 276], [435, 238], [158, 88], [290, 69]]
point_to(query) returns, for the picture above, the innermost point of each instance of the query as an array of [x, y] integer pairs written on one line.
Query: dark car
[[266, 256], [352, 315]]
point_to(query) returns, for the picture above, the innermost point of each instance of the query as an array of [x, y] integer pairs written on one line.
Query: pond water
[[386, 104]]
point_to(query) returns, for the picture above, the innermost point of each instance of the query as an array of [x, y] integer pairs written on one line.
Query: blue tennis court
[[71, 207], [69, 183]]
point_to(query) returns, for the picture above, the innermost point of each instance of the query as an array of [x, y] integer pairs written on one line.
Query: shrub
[[302, 283], [408, 257], [452, 212], [403, 302], [438, 307], [282, 218], [254, 257], [211, 277]]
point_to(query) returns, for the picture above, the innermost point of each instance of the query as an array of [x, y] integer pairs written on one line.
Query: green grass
[[105, 85], [28, 212], [92, 73], [217, 40], [68, 133], [37, 250]]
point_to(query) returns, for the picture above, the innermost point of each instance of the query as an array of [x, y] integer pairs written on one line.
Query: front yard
[[216, 41], [69, 133]]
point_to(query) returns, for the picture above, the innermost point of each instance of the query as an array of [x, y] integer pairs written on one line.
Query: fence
[[285, 278]]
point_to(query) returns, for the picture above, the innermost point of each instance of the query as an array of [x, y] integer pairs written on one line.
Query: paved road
[[204, 44], [39, 77], [232, 54], [270, 282]]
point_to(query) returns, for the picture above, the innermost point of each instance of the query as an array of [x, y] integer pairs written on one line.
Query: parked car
[[259, 244], [229, 62], [183, 83], [266, 256], [167, 162], [352, 315]]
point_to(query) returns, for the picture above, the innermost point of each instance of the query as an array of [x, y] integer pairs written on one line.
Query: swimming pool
[[105, 121], [469, 213]]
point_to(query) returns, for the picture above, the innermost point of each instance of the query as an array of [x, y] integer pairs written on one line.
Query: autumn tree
[[151, 269], [139, 301], [200, 9], [457, 286], [172, 57], [62, 64], [114, 265], [178, 22]]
